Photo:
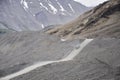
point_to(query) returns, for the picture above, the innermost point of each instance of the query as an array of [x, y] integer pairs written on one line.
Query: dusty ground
[[99, 60], [19, 50]]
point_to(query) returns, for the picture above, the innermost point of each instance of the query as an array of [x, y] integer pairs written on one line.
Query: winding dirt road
[[71, 56]]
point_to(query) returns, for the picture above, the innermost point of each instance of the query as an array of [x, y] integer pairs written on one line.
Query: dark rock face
[[22, 15]]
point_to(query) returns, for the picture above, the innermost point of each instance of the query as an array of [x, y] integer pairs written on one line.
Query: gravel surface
[[98, 61], [19, 50]]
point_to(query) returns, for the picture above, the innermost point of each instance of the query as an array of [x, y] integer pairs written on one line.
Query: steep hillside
[[54, 11], [14, 17], [21, 49], [99, 60], [21, 15], [102, 21]]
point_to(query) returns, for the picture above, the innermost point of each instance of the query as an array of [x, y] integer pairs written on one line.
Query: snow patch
[[43, 6], [42, 26], [63, 13], [63, 39], [53, 8], [71, 8], [21, 1], [61, 7], [24, 3]]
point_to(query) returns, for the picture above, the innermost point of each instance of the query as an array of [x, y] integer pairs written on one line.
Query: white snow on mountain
[[25, 4], [71, 8], [43, 6], [38, 14], [53, 8], [61, 7], [42, 26]]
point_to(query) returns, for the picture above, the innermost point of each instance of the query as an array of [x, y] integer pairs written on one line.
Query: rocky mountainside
[[32, 15], [99, 60], [21, 49], [101, 21]]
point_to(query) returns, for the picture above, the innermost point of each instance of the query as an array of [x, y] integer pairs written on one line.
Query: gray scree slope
[[19, 50], [71, 55], [99, 60]]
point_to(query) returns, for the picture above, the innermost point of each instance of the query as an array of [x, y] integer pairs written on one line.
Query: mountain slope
[[99, 60], [55, 11], [102, 21], [21, 49], [14, 17], [32, 15]]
